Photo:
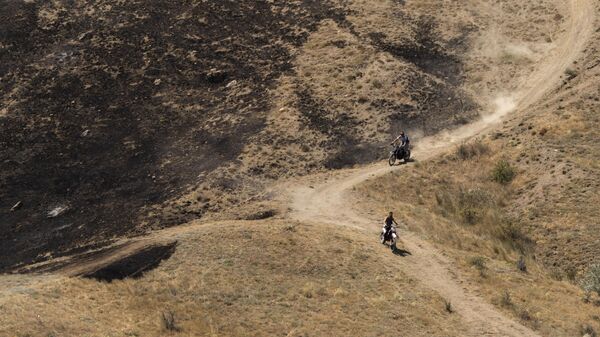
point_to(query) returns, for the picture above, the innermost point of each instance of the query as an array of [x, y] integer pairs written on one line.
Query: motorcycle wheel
[[407, 156], [392, 159]]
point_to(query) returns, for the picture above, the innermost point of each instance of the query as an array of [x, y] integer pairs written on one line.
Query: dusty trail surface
[[325, 199], [326, 202]]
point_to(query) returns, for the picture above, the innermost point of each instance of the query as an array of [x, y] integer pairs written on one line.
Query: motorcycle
[[389, 236], [399, 153]]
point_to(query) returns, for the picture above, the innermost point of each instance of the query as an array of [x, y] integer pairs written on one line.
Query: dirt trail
[[324, 202]]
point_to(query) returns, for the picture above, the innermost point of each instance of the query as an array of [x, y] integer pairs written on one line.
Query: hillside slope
[[137, 116], [544, 219], [297, 254]]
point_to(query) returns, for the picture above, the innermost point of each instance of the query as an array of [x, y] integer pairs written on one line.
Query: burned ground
[[111, 109], [109, 112]]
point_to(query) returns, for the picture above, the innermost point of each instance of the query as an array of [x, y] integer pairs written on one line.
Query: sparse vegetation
[[525, 315], [168, 321], [473, 205], [588, 331], [591, 281], [472, 149], [509, 231], [479, 262], [448, 306], [506, 299], [503, 172], [258, 74]]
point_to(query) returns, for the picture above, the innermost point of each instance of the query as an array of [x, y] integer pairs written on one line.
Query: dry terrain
[[216, 168]]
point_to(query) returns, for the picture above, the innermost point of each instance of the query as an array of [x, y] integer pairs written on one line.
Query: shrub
[[591, 281], [448, 306], [470, 150], [525, 315], [503, 172], [506, 300], [168, 321], [588, 330], [479, 262], [571, 273]]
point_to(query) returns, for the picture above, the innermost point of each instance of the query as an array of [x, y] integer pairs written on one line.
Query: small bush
[[505, 299], [503, 172], [588, 331], [525, 315], [448, 306], [470, 150], [168, 321], [591, 281], [479, 262], [571, 273]]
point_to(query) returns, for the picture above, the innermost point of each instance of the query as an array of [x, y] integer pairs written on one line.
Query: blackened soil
[[116, 106], [134, 266]]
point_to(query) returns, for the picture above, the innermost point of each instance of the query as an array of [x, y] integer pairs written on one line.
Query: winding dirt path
[[320, 203]]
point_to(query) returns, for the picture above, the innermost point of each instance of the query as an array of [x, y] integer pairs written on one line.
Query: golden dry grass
[[290, 279], [455, 202], [242, 279]]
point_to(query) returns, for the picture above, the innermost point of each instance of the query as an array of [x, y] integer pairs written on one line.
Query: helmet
[[401, 133]]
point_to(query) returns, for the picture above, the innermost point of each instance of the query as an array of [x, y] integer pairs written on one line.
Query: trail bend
[[324, 202]]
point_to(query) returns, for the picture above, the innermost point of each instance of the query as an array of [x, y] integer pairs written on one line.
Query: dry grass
[[289, 279], [242, 279], [455, 204]]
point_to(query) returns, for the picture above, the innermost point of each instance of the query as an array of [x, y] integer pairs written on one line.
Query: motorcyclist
[[388, 226], [401, 142]]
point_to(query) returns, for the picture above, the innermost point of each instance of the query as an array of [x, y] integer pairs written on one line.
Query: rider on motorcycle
[[388, 226], [401, 142]]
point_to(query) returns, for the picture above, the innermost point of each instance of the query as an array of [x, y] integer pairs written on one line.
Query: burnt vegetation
[[117, 110], [112, 109]]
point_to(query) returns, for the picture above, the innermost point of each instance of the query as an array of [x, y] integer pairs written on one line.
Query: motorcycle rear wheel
[[407, 156]]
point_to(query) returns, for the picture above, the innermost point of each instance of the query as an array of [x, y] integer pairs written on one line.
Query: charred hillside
[[110, 109]]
